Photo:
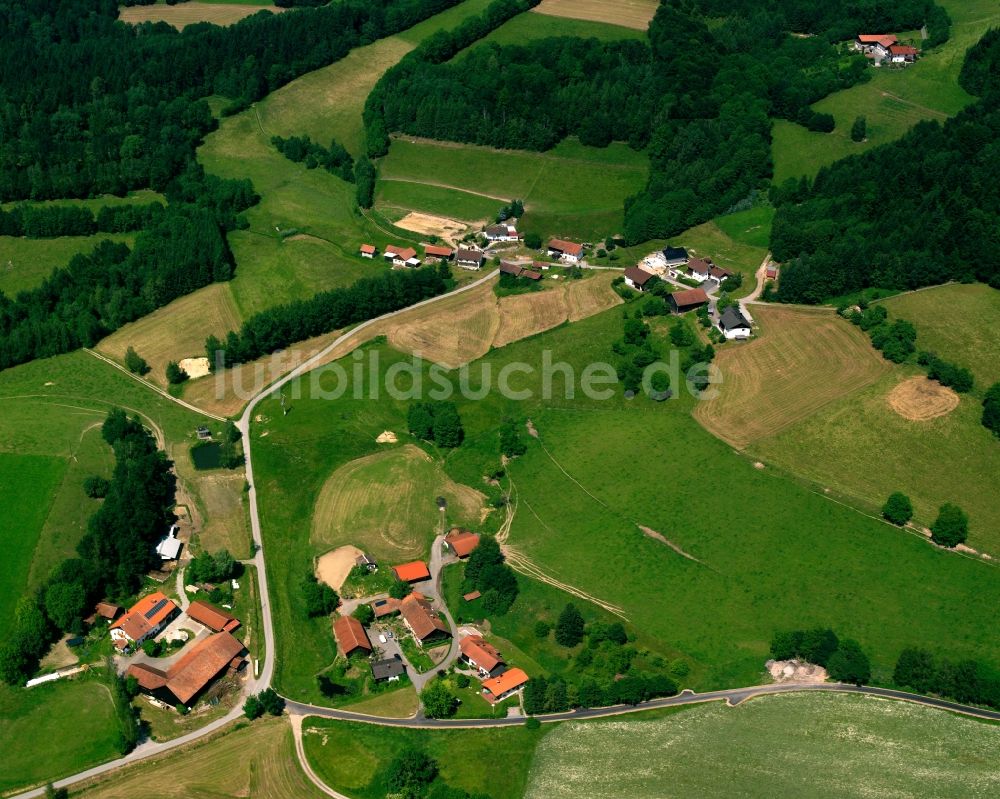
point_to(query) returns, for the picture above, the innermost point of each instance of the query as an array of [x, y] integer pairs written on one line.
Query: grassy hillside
[[25, 263], [893, 101], [794, 745], [526, 27]]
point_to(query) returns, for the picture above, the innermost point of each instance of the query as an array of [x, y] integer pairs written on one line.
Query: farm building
[[519, 270], [638, 279], [385, 607], [903, 54], [501, 232], [189, 676], [406, 256], [483, 656], [771, 272], [700, 269], [212, 617], [368, 250], [413, 572], [718, 273], [170, 546], [388, 670], [496, 689], [461, 542], [469, 258], [108, 610], [683, 301], [437, 252], [471, 596], [203, 433], [675, 256], [733, 324], [351, 636], [366, 561], [874, 44], [421, 619], [144, 620], [568, 251]]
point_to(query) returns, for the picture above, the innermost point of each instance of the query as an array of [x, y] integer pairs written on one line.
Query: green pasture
[[25, 263], [528, 27]]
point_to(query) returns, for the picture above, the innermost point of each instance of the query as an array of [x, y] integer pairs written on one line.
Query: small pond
[[207, 455]]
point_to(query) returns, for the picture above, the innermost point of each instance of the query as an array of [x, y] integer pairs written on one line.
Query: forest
[[113, 555], [917, 212], [48, 221]]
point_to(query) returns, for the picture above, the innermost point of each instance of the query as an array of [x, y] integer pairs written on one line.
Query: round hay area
[[333, 567], [921, 399]]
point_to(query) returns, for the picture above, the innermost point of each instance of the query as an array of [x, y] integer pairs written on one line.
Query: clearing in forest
[[184, 14], [627, 13], [803, 359]]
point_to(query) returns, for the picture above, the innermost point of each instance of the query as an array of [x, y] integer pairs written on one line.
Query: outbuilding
[[637, 278], [388, 670], [469, 258], [684, 301], [733, 324], [568, 251], [351, 636]]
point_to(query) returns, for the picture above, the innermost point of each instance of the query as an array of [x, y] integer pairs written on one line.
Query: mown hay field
[[385, 504], [628, 13], [258, 761], [622, 23], [855, 746], [184, 14], [803, 359]]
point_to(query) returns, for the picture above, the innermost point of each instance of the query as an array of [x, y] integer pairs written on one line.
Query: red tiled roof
[[420, 616], [368, 249], [462, 542], [471, 596], [772, 271], [509, 268], [718, 272], [412, 572], [903, 49], [508, 681], [690, 297], [212, 617], [189, 675], [438, 252], [700, 266], [107, 610], [479, 652], [531, 274], [385, 607], [885, 39], [568, 247], [145, 615], [350, 635]]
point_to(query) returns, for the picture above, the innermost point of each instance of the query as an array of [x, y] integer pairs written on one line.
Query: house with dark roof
[[108, 610], [469, 258], [501, 232], [675, 256], [351, 636], [482, 656], [568, 251], [366, 561], [461, 542], [422, 620], [717, 273], [186, 678], [145, 618], [638, 279], [700, 269], [212, 617], [733, 324], [388, 670], [684, 301]]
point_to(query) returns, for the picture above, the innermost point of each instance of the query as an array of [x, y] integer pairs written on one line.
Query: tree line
[[968, 681], [916, 212], [50, 221], [117, 549], [303, 150], [283, 325], [90, 105]]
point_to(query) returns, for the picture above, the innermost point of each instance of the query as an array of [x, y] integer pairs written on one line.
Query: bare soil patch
[[195, 367], [333, 567], [450, 230], [627, 13], [386, 437], [650, 533], [186, 14], [921, 399], [796, 671]]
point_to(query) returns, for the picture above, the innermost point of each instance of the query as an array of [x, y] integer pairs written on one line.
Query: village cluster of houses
[[425, 624], [882, 46], [186, 678]]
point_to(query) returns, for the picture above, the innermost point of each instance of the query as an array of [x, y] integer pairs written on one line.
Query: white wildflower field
[[795, 745]]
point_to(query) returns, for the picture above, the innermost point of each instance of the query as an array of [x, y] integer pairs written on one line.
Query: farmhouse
[[366, 561], [438, 253], [388, 670], [637, 278], [675, 256], [874, 44], [718, 273], [461, 542], [421, 619], [496, 689], [170, 546], [469, 258], [401, 256], [189, 676], [501, 232], [144, 620], [385, 607], [683, 301], [414, 572], [483, 656], [733, 324], [212, 617], [568, 251], [368, 250], [903, 54], [700, 269], [519, 270], [351, 636]]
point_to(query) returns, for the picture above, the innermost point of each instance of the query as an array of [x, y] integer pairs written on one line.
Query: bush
[[462, 681], [951, 527], [531, 723], [399, 589], [849, 663], [175, 375], [991, 410], [319, 598], [271, 702], [898, 509], [859, 130], [542, 629], [511, 443], [134, 363], [438, 701], [410, 773], [252, 708], [96, 487], [532, 241], [438, 422], [364, 614]]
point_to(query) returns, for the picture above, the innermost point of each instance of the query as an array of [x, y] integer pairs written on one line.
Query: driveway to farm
[[761, 276]]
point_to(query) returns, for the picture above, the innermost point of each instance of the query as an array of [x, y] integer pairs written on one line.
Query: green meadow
[[527, 27], [892, 102], [25, 263]]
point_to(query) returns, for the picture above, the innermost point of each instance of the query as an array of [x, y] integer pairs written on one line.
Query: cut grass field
[[53, 730], [385, 504], [803, 359], [352, 758], [258, 760], [184, 14], [855, 746], [630, 13], [25, 263], [957, 322], [624, 23], [892, 102], [571, 190]]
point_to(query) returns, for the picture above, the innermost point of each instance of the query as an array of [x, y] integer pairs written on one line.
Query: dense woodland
[[48, 221], [114, 553], [920, 211]]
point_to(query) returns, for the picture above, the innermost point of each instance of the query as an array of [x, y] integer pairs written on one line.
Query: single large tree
[[898, 509], [569, 627], [438, 701], [849, 663], [951, 527]]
